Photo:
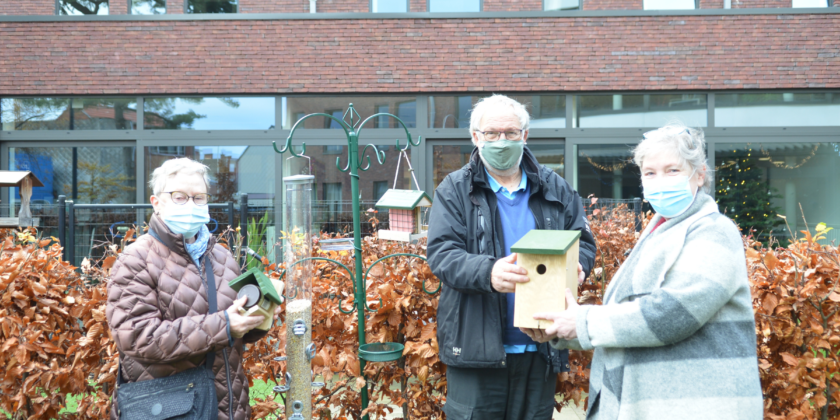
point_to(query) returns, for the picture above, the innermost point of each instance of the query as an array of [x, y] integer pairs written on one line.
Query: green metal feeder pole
[[361, 291]]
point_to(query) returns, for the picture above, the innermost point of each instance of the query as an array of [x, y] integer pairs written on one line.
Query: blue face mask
[[669, 196], [185, 219]]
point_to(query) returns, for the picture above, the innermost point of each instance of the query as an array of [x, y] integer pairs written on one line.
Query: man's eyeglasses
[[495, 135], [181, 198]]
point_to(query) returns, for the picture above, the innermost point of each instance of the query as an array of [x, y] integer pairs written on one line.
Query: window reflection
[[148, 7], [83, 7], [404, 107], [68, 114], [547, 111], [607, 171], [756, 181], [332, 208], [196, 113], [598, 111], [453, 6], [809, 3], [777, 109], [389, 6], [561, 4], [212, 6], [83, 174], [233, 169]]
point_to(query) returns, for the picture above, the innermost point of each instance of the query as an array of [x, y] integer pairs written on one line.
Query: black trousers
[[518, 392]]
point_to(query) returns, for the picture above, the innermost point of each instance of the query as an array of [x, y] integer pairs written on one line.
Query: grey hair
[[688, 143], [485, 104], [178, 166]]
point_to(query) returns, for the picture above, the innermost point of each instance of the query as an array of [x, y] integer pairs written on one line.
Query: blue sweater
[[517, 220]]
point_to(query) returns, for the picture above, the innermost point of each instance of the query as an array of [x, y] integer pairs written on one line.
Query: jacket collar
[[174, 241]]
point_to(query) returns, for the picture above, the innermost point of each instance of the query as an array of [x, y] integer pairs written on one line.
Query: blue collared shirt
[[496, 187]]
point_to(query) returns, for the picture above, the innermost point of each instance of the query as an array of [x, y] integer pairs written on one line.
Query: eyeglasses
[[509, 134], [181, 198]]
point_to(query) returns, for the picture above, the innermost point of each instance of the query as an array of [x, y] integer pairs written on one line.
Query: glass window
[[607, 171], [403, 107], [332, 210], [450, 158], [68, 114], [454, 6], [212, 6], [389, 6], [669, 4], [195, 113], [547, 111], [602, 111], [561, 4], [86, 175], [83, 7], [810, 3], [233, 170], [777, 109], [148, 7], [756, 181]]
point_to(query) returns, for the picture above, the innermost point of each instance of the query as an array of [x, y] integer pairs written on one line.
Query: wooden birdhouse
[[404, 214], [25, 180], [263, 293], [551, 258]]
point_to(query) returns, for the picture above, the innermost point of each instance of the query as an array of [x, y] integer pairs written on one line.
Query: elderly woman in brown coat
[[158, 305]]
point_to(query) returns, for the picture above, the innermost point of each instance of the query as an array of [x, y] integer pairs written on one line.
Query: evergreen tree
[[745, 197]]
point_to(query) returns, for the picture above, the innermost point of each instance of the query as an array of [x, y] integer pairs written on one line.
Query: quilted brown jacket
[[158, 313]]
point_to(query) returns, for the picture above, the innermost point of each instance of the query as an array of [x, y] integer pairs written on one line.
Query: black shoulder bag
[[187, 395]]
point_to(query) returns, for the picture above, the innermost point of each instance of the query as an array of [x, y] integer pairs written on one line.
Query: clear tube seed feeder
[[297, 249]]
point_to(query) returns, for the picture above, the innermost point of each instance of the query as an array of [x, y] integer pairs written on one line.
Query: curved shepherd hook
[[288, 145], [402, 124], [350, 273]]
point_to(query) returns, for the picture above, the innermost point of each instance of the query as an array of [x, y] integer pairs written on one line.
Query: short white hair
[[688, 143], [497, 101], [177, 166]]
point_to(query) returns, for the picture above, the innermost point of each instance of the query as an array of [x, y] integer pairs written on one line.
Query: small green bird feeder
[[262, 292], [404, 214]]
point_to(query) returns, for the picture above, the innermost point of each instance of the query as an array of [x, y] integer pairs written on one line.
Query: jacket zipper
[[230, 388]]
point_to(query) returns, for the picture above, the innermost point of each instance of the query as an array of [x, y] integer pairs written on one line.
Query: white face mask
[[185, 219]]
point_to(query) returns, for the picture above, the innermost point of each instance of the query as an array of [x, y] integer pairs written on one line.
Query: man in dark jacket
[[495, 371]]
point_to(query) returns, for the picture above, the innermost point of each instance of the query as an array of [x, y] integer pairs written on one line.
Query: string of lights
[[798, 165], [606, 168]]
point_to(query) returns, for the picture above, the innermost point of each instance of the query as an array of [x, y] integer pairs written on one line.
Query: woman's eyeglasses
[[181, 198]]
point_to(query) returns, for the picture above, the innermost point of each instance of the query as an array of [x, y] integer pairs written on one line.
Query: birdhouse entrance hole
[[541, 269]]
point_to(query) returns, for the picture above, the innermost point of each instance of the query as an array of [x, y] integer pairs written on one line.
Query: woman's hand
[[239, 325], [564, 323]]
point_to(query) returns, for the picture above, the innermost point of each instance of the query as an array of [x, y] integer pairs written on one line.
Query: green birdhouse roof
[[546, 242], [403, 199], [255, 276]]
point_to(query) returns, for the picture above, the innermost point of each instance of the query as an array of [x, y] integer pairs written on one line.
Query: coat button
[[567, 366], [503, 363]]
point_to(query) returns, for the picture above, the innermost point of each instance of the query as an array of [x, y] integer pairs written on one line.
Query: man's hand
[[581, 274], [239, 325], [538, 335], [565, 323], [506, 274]]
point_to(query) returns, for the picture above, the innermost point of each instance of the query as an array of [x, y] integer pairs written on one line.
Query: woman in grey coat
[[675, 337]]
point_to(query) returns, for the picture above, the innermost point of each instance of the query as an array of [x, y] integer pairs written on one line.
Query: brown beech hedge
[[54, 339]]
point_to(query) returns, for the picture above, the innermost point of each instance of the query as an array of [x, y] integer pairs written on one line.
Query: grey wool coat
[[675, 338]]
